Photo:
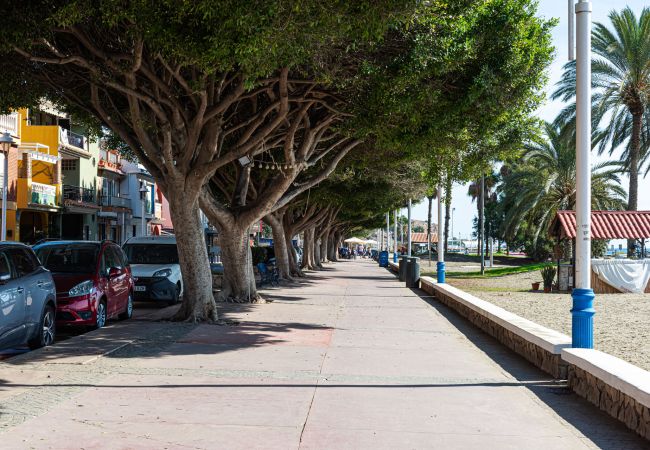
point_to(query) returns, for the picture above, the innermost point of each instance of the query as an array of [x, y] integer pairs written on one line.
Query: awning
[[421, 238], [604, 225]]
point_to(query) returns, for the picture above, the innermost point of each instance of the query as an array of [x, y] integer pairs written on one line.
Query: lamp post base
[[582, 318], [440, 267]]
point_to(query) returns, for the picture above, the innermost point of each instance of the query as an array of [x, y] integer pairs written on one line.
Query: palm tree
[[621, 82], [474, 191], [543, 181]]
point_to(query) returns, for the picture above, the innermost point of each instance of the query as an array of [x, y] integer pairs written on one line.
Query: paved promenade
[[347, 359]]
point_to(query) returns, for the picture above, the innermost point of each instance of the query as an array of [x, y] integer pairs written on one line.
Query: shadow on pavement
[[603, 430]]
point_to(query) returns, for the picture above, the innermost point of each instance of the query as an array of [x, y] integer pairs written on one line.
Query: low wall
[[615, 386], [539, 345]]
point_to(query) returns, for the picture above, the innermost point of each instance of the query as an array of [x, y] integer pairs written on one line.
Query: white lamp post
[[440, 267], [408, 230], [143, 194], [6, 141], [583, 296]]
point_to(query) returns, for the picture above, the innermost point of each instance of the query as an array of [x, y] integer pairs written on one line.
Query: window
[[109, 260], [23, 261], [69, 258], [151, 253], [5, 266], [68, 164]]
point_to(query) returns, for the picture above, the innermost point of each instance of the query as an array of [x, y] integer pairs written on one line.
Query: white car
[[155, 268]]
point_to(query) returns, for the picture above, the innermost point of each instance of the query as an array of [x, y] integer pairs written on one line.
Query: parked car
[[27, 299], [156, 270], [93, 281]]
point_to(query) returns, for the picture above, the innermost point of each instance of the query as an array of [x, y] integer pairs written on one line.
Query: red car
[[93, 281]]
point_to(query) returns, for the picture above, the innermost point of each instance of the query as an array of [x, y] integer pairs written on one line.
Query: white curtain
[[624, 275]]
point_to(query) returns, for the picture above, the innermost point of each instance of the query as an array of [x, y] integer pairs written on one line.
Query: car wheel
[[46, 330], [128, 312], [100, 321]]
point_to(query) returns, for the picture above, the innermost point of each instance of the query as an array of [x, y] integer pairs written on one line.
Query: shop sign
[[43, 194]]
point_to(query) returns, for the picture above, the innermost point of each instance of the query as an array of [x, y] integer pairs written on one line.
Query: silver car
[[27, 299]]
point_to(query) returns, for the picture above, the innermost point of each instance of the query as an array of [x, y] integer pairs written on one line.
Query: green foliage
[[543, 181], [598, 248], [548, 275]]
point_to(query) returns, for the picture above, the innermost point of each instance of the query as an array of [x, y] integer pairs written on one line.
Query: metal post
[[583, 296], [408, 230], [441, 240], [482, 224], [453, 210], [395, 236], [572, 34], [5, 187], [143, 227], [388, 231]]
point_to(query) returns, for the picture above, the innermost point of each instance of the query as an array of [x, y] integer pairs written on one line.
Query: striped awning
[[421, 238], [605, 225]]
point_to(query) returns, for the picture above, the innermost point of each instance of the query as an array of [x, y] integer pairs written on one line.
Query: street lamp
[[453, 210], [582, 323], [6, 141], [143, 195]]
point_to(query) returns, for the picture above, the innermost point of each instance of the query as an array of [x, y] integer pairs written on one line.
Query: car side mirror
[[114, 272], [4, 277]]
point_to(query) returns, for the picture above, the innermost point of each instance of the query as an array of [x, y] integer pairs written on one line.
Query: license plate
[[140, 288]]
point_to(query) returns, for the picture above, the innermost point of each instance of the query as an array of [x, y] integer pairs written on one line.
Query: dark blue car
[[27, 298]]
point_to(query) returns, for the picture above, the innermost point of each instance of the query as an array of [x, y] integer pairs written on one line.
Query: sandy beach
[[621, 323]]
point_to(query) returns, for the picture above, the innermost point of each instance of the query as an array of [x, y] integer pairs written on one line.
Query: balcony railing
[[73, 139], [111, 200], [78, 194], [9, 122]]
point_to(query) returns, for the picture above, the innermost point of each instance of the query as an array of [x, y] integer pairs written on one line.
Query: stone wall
[[545, 360], [617, 404]]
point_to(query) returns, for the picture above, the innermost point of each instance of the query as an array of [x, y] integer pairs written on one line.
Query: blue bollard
[[394, 257], [441, 271], [582, 318]]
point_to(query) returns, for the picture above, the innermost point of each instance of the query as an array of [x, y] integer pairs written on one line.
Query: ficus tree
[[195, 88]]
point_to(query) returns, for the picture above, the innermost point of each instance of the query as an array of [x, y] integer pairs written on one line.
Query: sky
[[464, 209]]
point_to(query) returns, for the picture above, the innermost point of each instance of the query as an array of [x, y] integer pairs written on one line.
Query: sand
[[621, 323]]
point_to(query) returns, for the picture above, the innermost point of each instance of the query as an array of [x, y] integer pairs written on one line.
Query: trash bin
[[413, 272], [402, 267], [383, 259]]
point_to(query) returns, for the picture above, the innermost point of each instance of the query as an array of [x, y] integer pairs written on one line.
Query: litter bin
[[402, 267], [413, 272], [383, 259]]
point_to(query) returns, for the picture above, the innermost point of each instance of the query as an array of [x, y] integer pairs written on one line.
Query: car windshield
[[151, 253], [69, 258]]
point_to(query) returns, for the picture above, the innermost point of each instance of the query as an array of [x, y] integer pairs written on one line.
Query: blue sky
[[465, 210]]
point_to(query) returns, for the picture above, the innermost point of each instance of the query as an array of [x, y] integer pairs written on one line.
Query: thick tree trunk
[[198, 300], [323, 245], [331, 247], [317, 256], [308, 250], [282, 255], [238, 276], [294, 266], [635, 150]]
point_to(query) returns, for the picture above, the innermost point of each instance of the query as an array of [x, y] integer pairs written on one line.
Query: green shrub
[[548, 275]]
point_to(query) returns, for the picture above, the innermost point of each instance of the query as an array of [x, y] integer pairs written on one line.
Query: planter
[[547, 289], [535, 286]]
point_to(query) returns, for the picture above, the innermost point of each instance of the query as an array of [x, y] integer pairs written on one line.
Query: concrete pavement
[[348, 358]]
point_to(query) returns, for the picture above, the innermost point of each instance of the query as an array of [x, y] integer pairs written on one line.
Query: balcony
[[71, 139], [9, 123], [77, 194], [116, 202]]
